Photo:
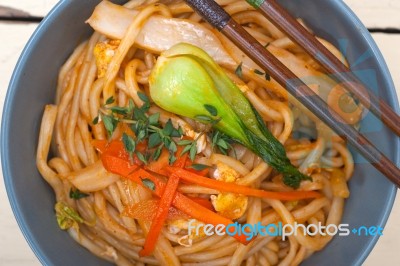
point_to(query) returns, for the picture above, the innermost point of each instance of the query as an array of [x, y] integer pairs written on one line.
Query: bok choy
[[186, 81]]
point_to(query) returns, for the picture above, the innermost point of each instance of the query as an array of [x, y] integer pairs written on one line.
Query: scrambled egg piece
[[229, 205], [104, 52], [176, 226], [226, 173]]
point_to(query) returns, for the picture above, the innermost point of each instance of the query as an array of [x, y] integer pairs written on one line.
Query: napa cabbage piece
[[158, 33]]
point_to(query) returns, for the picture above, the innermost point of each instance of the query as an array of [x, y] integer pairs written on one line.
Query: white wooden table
[[14, 251]]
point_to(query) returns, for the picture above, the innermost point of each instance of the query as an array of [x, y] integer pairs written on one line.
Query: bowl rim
[[37, 34]]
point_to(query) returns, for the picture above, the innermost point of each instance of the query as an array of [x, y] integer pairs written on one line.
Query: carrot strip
[[162, 162], [146, 210], [239, 189], [116, 149], [100, 145], [181, 202], [203, 202], [124, 167], [181, 161], [204, 215], [159, 165], [186, 205], [161, 216]]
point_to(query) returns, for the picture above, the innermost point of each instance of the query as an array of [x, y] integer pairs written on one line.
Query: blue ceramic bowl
[[33, 85]]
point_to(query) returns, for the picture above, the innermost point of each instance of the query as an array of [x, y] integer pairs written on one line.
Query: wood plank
[[377, 14], [381, 14], [34, 7], [386, 250], [14, 250], [387, 44]]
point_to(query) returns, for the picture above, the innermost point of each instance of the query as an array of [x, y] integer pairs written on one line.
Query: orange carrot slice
[[239, 189], [161, 216]]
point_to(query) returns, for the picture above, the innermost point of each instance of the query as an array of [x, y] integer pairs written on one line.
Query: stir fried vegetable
[[186, 81], [180, 201]]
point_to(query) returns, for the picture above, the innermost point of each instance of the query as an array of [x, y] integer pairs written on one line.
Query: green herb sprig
[[239, 70], [149, 184], [77, 194], [199, 167], [147, 127], [265, 74], [220, 141]]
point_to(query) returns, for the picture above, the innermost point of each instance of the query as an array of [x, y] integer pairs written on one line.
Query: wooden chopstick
[[298, 34], [220, 19]]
